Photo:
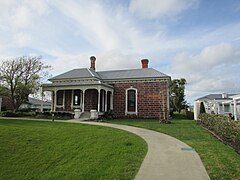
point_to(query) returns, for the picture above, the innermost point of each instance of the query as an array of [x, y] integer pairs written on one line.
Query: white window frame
[[136, 102]]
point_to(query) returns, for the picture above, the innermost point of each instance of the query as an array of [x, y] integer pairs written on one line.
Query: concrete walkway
[[167, 158]]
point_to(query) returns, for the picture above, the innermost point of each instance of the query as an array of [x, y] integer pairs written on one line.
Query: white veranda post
[[99, 93], [105, 101], [83, 100], [235, 109]]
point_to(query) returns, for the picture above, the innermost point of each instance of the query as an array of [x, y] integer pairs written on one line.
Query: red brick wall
[[152, 99], [91, 99]]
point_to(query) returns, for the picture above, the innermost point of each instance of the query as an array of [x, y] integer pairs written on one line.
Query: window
[[60, 97], [131, 101], [76, 98], [226, 108]]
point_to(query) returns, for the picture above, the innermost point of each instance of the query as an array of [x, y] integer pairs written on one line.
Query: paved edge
[[167, 158]]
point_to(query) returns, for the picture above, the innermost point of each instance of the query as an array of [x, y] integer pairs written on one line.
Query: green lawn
[[46, 150], [221, 161]]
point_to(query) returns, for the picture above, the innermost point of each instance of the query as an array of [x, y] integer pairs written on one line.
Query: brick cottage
[[135, 92]]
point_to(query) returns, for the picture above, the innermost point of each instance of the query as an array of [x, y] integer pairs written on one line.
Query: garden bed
[[222, 127]]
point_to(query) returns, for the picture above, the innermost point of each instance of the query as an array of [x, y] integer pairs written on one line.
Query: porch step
[[85, 115]]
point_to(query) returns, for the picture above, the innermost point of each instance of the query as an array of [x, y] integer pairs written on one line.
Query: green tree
[[22, 76], [4, 91], [178, 94], [202, 108]]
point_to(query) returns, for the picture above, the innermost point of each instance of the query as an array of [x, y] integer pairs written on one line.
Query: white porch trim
[[99, 94], [235, 109], [83, 100], [72, 99], [55, 99], [52, 100], [83, 88], [63, 99], [236, 98], [105, 101]]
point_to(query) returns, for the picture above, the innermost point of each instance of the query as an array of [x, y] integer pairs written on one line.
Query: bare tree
[[22, 76]]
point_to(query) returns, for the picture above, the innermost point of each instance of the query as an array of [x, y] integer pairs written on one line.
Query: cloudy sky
[[194, 39]]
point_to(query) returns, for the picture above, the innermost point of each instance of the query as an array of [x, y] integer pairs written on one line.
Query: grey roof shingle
[[95, 74], [72, 83], [131, 74], [76, 73], [216, 96], [37, 101], [111, 75]]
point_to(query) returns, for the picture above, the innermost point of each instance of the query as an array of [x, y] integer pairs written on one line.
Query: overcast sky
[[194, 39]]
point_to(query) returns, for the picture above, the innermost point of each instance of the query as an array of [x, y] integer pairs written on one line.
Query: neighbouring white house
[[219, 104], [36, 105], [32, 104]]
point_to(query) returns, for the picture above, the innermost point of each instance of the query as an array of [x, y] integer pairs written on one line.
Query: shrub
[[9, 114], [189, 115], [2, 114], [108, 115], [57, 115], [16, 114], [225, 128]]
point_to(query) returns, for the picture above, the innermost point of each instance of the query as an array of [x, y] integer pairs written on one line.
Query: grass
[[220, 160], [45, 150]]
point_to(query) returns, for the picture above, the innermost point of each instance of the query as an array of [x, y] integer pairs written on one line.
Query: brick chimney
[[144, 63], [93, 59]]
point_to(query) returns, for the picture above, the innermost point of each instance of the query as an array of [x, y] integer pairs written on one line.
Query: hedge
[[16, 114], [222, 126]]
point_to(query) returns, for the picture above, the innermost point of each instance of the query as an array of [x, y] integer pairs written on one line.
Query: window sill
[[131, 113]]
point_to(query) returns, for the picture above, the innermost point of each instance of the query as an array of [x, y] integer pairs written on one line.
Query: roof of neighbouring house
[[35, 101], [217, 97], [111, 75]]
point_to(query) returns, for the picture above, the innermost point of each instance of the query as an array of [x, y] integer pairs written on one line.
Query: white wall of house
[[32, 106], [236, 106], [223, 107], [196, 109]]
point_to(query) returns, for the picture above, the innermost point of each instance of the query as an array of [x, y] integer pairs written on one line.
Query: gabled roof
[[216, 97], [131, 74], [34, 101], [110, 75], [77, 73]]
